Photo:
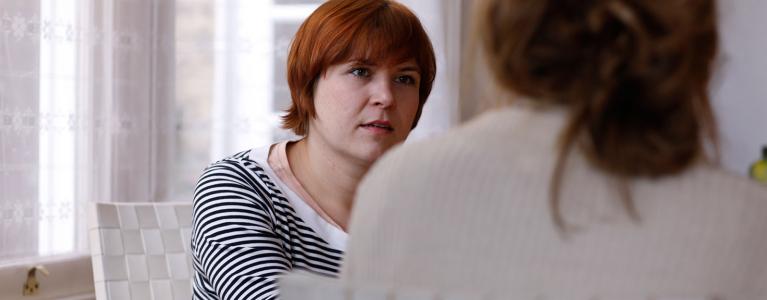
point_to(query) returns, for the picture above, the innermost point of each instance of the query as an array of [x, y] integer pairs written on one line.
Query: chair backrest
[[141, 250]]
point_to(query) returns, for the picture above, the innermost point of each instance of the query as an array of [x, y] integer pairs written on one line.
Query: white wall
[[740, 88]]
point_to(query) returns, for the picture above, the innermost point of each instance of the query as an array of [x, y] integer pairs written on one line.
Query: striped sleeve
[[234, 241]]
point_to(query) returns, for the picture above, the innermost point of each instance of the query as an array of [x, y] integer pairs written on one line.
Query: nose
[[382, 93]]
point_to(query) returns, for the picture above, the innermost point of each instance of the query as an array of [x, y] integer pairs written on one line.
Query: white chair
[[141, 250]]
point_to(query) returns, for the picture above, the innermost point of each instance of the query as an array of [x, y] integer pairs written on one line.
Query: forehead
[[381, 32], [409, 63], [393, 57], [385, 38]]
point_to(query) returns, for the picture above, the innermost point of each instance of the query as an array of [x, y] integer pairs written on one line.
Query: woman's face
[[364, 108]]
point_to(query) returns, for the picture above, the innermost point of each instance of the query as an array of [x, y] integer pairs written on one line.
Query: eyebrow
[[365, 62], [410, 68]]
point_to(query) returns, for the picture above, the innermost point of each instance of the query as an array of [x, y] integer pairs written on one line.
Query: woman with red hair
[[359, 74]]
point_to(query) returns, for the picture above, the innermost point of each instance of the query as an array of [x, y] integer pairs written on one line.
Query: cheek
[[329, 103], [409, 107]]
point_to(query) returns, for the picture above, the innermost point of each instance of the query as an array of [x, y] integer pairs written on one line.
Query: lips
[[379, 125]]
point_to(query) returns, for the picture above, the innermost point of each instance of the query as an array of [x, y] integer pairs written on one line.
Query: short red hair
[[342, 30]]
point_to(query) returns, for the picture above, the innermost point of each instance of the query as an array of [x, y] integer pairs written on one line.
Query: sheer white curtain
[[19, 136], [86, 87]]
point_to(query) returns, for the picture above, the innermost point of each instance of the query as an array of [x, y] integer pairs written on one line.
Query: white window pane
[[231, 86], [56, 233]]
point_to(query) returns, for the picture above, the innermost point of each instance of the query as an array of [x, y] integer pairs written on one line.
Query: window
[[58, 124], [82, 114], [231, 83], [38, 133]]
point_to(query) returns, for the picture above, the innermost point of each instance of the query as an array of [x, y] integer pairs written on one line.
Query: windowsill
[[70, 277]]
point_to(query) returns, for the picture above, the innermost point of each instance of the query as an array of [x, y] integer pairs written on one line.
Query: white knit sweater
[[469, 211]]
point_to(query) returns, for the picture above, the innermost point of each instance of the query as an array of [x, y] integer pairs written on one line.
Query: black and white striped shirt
[[246, 233]]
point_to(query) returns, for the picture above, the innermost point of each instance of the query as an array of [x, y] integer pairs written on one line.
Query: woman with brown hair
[[359, 72], [593, 182]]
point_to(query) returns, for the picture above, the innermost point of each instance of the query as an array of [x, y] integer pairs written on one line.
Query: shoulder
[[712, 181], [237, 168], [235, 179], [413, 175], [235, 190], [495, 137]]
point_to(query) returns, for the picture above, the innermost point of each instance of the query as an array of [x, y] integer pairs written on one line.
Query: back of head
[[633, 74]]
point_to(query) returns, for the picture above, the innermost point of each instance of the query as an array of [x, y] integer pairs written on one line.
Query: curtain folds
[[86, 94]]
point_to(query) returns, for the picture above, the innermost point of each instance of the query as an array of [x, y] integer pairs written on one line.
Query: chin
[[371, 155], [370, 152]]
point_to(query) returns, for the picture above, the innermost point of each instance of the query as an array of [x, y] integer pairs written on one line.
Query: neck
[[329, 177]]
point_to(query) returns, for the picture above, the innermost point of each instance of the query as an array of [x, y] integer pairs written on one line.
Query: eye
[[405, 79], [360, 72]]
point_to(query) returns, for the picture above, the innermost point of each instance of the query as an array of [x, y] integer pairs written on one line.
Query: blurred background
[[128, 100]]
